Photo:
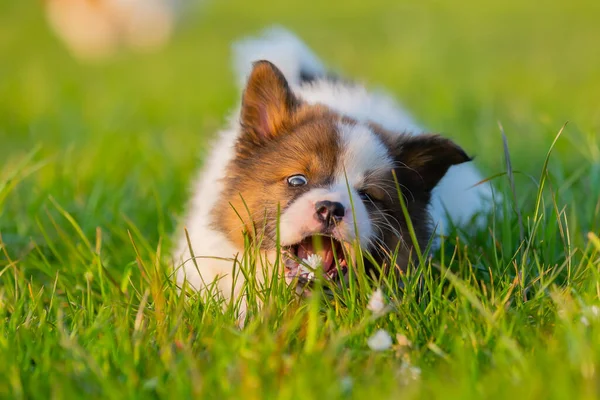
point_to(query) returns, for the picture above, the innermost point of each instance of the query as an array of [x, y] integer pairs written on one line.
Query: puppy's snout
[[329, 212]]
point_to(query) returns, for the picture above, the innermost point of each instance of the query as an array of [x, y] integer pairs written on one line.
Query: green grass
[[96, 160]]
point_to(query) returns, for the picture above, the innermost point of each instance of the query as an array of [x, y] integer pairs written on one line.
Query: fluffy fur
[[302, 148]]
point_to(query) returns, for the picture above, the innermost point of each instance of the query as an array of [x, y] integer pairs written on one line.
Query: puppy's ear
[[423, 160], [267, 103]]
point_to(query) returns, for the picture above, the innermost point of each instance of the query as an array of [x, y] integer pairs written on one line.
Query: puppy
[[311, 165]]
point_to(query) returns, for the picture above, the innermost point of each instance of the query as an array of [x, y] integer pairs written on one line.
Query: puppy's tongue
[[321, 246]]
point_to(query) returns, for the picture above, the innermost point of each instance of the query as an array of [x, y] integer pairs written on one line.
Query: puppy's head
[[318, 181]]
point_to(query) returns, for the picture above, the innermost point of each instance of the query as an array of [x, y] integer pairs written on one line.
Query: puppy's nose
[[329, 212]]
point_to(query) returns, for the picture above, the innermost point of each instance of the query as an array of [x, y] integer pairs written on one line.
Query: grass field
[[96, 160]]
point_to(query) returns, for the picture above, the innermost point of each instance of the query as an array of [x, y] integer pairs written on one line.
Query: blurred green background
[[118, 141]]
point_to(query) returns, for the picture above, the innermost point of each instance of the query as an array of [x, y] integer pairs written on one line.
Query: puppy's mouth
[[315, 256]]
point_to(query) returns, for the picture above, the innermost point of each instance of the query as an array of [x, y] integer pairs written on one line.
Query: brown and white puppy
[[313, 164]]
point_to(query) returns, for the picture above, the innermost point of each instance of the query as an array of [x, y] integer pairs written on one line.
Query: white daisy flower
[[380, 341], [314, 261], [309, 265], [377, 304]]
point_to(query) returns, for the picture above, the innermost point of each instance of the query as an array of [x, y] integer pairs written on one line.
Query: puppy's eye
[[364, 195], [297, 180], [372, 194]]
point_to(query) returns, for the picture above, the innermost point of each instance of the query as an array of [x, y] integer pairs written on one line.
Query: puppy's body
[[300, 141]]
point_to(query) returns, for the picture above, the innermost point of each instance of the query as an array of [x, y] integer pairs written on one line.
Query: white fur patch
[[360, 104], [280, 47], [362, 152]]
